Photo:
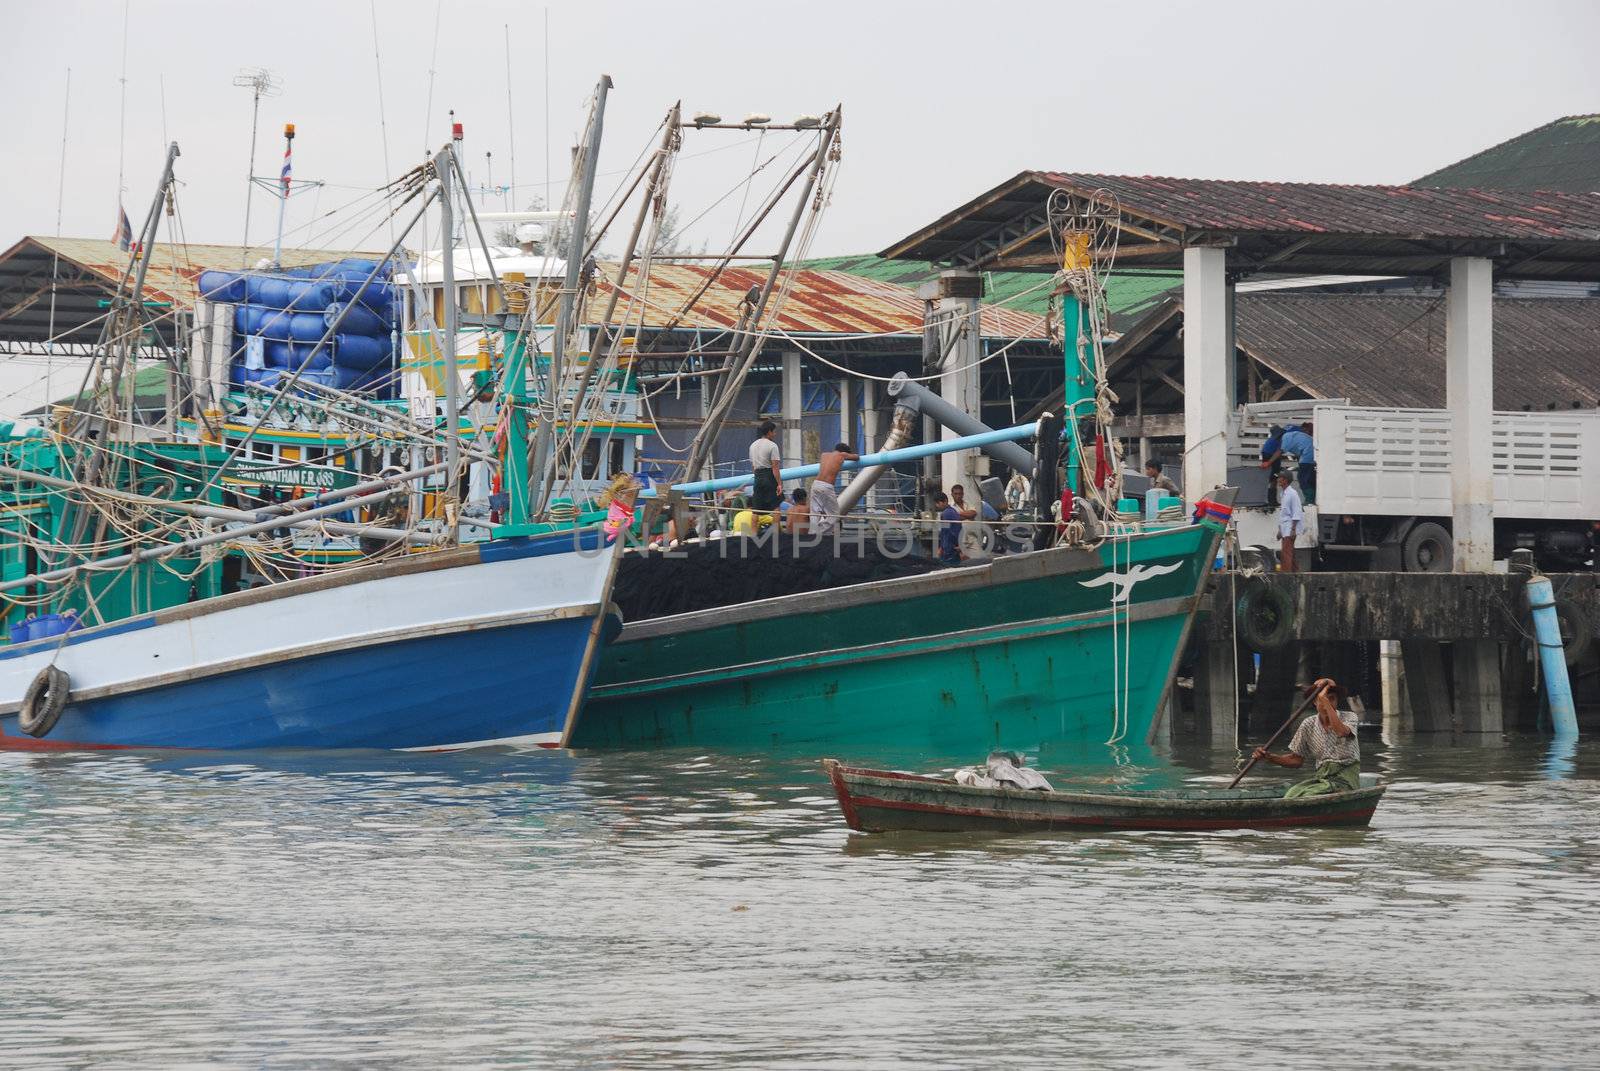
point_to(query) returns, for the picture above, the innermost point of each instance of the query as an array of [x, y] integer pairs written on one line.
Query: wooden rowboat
[[878, 801]]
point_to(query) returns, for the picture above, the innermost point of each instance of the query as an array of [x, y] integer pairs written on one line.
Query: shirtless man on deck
[[824, 499]]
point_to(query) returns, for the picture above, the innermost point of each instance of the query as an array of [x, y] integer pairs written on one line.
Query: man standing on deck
[[764, 457], [1327, 738], [824, 499], [1291, 519]]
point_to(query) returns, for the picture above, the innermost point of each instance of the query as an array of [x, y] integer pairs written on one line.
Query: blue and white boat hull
[[487, 645]]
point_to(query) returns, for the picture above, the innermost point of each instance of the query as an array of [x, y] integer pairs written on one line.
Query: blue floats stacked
[[291, 311]]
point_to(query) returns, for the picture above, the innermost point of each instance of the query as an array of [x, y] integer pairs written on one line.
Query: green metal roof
[[1129, 294], [1563, 155]]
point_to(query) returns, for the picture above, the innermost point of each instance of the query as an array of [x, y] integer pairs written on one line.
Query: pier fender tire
[[1577, 631], [44, 701], [1428, 548], [1264, 616]]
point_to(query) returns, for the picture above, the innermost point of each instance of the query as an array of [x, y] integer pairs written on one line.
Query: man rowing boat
[[1327, 738]]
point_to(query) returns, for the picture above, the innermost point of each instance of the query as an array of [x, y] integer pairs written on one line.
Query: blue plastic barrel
[[362, 351], [222, 286], [375, 380], [278, 324], [301, 295], [359, 320], [292, 355]]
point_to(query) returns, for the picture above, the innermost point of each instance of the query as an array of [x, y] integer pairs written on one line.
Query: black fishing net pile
[[725, 572]]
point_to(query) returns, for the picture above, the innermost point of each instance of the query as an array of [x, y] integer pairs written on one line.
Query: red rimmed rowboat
[[879, 801]]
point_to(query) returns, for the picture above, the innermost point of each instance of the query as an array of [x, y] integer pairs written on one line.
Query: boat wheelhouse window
[[316, 455], [616, 458], [260, 451], [591, 459]]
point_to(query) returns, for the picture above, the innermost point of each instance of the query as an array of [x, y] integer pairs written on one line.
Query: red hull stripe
[[858, 803]]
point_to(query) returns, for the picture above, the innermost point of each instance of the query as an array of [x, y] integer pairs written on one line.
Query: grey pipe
[[905, 422], [958, 421]]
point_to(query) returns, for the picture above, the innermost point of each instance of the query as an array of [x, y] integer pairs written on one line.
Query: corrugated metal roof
[[1561, 155], [819, 302], [174, 268], [53, 287], [1389, 351], [1129, 296], [1318, 208]]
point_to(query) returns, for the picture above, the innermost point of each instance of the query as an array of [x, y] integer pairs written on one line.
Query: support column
[[1428, 685], [1477, 691], [793, 405], [1216, 695], [847, 419], [869, 428], [1469, 395], [1206, 363], [961, 341]]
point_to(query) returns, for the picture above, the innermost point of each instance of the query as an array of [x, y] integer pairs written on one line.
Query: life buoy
[[44, 701], [1264, 616]]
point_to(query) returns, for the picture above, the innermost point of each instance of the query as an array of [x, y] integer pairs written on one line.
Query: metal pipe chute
[[903, 388]]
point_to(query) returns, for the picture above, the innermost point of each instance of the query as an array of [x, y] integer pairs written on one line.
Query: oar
[[1297, 712]]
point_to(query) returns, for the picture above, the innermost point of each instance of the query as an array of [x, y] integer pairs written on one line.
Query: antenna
[[261, 83]]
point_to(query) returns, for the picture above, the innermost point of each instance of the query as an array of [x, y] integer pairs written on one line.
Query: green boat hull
[[1029, 651]]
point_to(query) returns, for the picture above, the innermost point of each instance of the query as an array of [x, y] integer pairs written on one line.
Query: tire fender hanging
[[1264, 616], [44, 701]]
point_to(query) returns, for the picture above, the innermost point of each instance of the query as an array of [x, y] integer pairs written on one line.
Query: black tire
[[1264, 616], [1577, 631], [1428, 548], [1257, 557], [44, 701]]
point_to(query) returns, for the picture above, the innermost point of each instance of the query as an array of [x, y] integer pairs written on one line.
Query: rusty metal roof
[[818, 303], [87, 270], [1278, 227], [1376, 211]]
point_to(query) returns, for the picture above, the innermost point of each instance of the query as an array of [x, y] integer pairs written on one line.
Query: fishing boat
[[435, 644], [490, 644], [879, 801], [1066, 644]]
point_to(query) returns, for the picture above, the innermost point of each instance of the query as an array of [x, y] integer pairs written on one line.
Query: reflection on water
[[681, 909]]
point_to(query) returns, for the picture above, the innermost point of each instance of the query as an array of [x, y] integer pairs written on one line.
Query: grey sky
[[941, 101]]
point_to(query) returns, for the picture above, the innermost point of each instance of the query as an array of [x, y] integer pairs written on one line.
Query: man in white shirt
[[766, 494], [1291, 519]]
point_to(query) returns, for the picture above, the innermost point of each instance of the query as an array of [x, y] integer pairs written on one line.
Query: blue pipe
[[1552, 656], [886, 457]]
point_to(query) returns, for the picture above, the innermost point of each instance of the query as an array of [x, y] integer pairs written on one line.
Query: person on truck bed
[[1298, 441], [1272, 459]]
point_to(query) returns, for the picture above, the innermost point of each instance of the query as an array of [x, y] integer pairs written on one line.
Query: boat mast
[[569, 293], [283, 193], [442, 166]]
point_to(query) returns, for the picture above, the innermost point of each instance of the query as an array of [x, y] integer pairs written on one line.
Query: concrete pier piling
[[1434, 652]]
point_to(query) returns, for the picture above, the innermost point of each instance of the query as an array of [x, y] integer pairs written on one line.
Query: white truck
[[1383, 485]]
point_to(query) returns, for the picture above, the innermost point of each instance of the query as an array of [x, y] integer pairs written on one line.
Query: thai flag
[[124, 235], [283, 176]]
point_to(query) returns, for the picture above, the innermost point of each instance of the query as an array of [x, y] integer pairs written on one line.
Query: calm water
[[686, 910]]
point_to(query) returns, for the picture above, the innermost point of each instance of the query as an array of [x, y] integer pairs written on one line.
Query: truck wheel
[[1427, 549], [1264, 616], [1577, 633]]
